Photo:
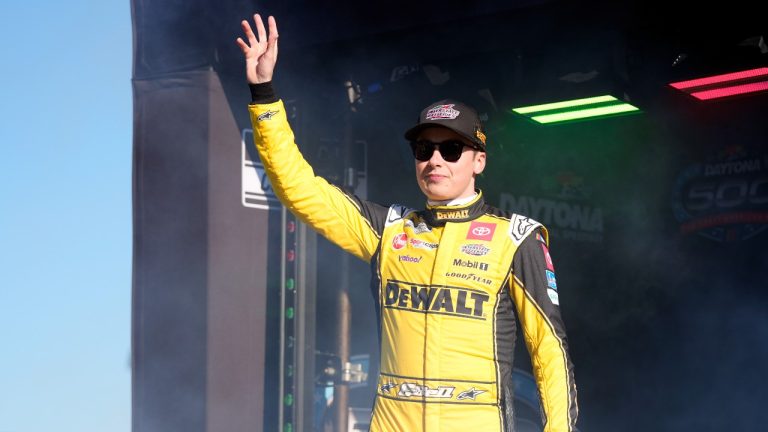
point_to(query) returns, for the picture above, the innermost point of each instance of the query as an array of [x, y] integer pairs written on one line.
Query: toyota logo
[[481, 231]]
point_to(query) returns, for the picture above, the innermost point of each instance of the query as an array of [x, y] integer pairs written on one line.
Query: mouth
[[433, 178]]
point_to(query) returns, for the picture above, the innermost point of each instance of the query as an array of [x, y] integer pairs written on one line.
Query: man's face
[[441, 180]]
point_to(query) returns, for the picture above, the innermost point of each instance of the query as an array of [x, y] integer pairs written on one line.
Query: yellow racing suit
[[448, 282]]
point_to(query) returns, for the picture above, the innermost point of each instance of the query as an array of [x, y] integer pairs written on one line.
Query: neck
[[460, 209], [454, 201]]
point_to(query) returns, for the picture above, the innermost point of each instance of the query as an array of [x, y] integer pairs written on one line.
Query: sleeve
[[534, 290], [353, 224]]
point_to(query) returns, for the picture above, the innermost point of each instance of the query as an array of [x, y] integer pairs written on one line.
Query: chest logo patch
[[445, 300], [481, 231], [400, 241], [475, 249], [421, 244], [419, 228]]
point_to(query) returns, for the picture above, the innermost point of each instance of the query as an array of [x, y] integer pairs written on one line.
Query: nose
[[437, 158]]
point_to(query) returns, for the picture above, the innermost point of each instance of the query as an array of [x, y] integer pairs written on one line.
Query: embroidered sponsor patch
[[520, 227], [446, 300], [410, 259], [422, 391], [548, 258], [442, 112], [475, 249], [551, 282], [553, 296], [419, 228], [469, 394], [421, 244], [399, 241], [472, 277], [458, 262], [385, 388], [481, 231], [451, 214], [266, 115]]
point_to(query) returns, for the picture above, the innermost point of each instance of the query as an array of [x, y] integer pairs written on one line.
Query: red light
[[731, 91], [752, 73]]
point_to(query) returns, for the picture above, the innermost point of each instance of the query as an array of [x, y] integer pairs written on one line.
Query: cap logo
[[442, 112], [480, 136]]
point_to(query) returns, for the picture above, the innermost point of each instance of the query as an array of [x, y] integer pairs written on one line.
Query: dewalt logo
[[442, 300], [454, 214]]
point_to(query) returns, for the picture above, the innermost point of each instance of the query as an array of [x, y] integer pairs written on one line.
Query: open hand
[[260, 52]]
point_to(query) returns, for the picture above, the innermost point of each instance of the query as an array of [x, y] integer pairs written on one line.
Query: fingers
[[272, 27], [272, 42], [260, 28], [248, 32], [260, 31], [243, 46]]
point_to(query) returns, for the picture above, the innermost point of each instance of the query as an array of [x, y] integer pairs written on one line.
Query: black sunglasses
[[450, 150]]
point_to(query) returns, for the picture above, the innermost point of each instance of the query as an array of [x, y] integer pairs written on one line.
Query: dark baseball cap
[[454, 115]]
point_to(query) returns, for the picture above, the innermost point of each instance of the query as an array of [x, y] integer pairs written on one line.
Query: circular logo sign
[[399, 241]]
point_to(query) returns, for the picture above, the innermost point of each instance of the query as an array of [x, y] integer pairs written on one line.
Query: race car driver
[[449, 280]]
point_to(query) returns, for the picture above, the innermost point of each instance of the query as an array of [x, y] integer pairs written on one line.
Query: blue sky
[[65, 220]]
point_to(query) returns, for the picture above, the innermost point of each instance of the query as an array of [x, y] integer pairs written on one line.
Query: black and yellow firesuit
[[448, 280]]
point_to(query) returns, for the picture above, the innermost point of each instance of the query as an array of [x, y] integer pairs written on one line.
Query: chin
[[437, 196], [436, 192]]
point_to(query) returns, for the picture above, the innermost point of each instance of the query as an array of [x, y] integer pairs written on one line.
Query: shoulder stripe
[[495, 216]]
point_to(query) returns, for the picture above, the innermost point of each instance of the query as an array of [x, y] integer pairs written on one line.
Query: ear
[[478, 164]]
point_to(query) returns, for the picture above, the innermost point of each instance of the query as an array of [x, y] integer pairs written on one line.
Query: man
[[448, 279]]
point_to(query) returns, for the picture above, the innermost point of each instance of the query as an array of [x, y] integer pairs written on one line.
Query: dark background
[[668, 329]]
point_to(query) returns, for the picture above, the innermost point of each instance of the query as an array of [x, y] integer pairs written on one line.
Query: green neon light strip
[[585, 113], [566, 104]]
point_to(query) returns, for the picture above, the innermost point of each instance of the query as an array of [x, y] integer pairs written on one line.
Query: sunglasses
[[450, 150]]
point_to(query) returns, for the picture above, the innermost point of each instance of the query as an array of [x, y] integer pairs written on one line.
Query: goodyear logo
[[472, 277], [454, 214], [444, 299]]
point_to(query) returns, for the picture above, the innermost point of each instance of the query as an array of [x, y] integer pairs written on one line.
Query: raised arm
[[353, 224]]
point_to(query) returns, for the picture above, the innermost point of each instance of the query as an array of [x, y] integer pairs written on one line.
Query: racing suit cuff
[[262, 93]]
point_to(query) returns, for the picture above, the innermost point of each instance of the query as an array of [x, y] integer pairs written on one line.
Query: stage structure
[[244, 319]]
